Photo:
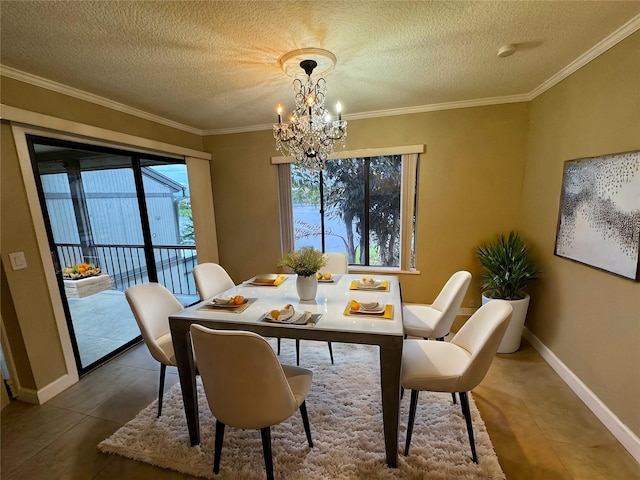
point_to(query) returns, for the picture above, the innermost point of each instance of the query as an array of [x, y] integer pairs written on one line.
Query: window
[[362, 206]]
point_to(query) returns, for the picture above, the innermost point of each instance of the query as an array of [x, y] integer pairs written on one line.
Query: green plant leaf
[[508, 267]]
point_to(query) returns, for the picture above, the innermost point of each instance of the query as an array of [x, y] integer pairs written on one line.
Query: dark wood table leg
[[390, 362], [187, 373]]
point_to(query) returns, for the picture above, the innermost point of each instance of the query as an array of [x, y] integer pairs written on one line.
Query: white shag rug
[[345, 413]]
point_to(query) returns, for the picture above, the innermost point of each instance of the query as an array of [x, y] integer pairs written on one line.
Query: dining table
[[332, 319]]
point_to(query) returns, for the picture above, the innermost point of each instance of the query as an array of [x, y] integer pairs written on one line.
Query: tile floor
[[103, 322], [539, 428]]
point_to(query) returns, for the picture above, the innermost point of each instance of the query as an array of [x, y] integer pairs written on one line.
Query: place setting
[[327, 277], [289, 316], [266, 280], [369, 283], [228, 303], [370, 309]]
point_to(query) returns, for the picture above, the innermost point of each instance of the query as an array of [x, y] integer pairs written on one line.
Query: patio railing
[[127, 266]]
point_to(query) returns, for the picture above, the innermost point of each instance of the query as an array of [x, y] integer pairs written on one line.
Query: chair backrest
[[211, 279], [449, 300], [481, 336], [242, 377], [151, 304], [336, 263]]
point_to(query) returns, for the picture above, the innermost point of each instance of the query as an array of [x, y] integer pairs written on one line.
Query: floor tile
[[27, 429], [73, 455]]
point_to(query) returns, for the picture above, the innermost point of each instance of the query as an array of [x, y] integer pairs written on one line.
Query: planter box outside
[[83, 287]]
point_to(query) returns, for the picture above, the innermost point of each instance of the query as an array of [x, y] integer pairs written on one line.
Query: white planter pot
[[511, 340], [307, 287]]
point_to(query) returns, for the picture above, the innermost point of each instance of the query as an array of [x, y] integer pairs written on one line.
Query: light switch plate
[[18, 261]]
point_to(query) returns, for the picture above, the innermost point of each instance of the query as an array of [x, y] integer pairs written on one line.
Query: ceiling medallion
[[311, 134]]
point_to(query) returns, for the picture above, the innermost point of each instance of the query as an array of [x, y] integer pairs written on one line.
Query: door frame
[[24, 122], [136, 158]]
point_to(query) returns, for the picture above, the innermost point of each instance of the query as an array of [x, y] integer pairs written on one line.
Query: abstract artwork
[[599, 218]]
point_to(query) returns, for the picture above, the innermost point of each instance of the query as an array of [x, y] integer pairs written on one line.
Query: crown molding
[[620, 34], [617, 36], [391, 112], [31, 79]]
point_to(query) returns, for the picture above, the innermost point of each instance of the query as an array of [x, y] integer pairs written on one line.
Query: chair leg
[[464, 402], [163, 369], [412, 416], [305, 422], [217, 451], [401, 393], [298, 351], [330, 352], [266, 448], [453, 394], [278, 346]]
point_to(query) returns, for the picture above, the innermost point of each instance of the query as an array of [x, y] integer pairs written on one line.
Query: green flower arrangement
[[305, 262]]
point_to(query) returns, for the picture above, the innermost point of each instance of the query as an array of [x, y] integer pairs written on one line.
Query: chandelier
[[311, 134]]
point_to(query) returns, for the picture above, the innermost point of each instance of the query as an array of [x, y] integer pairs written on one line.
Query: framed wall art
[[599, 215]]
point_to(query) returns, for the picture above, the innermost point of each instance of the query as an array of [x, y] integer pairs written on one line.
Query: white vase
[[307, 287], [511, 340]]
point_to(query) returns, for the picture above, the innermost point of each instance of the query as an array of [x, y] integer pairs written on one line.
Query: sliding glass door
[[114, 219]]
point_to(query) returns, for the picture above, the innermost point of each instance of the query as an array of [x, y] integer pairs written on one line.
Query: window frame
[[408, 201]]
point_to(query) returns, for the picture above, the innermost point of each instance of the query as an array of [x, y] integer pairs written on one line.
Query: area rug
[[344, 407]]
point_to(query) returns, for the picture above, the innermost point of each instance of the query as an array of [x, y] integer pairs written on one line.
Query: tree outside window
[[353, 207]]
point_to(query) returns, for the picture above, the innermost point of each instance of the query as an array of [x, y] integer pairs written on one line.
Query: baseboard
[[623, 434], [46, 393]]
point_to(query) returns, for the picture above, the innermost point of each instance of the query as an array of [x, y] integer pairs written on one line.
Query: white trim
[[47, 392], [88, 133], [31, 79], [362, 152], [620, 34], [625, 436], [20, 141], [14, 384], [480, 102]]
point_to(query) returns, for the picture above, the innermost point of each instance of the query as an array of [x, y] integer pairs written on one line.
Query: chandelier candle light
[[311, 134]]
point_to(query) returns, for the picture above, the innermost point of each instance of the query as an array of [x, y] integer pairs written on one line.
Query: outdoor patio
[[103, 322]]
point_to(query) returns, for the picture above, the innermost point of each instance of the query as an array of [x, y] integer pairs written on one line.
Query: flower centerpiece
[[81, 270], [305, 262]]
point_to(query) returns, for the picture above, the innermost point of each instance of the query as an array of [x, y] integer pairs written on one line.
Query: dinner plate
[[266, 280], [221, 304], [298, 318], [377, 311], [333, 279]]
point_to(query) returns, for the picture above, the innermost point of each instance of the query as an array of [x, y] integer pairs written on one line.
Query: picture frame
[[599, 213]]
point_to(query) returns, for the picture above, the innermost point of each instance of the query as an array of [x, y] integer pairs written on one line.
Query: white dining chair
[[211, 279], [455, 366], [247, 387], [151, 304], [435, 320]]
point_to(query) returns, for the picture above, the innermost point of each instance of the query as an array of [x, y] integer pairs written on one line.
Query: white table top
[[331, 301]]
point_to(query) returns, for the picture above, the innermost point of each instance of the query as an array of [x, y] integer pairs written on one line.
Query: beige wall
[[486, 170], [469, 189], [589, 319], [27, 308]]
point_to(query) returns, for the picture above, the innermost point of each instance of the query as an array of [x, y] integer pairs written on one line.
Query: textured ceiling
[[213, 66]]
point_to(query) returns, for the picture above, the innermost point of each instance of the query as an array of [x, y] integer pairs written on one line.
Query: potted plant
[[305, 262], [508, 267]]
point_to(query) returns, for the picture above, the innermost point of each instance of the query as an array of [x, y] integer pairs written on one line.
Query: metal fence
[[127, 265]]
